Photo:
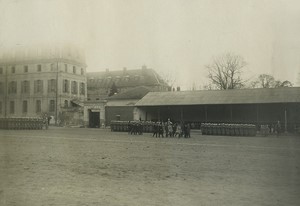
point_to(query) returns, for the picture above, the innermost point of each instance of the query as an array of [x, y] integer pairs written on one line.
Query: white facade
[[31, 85]]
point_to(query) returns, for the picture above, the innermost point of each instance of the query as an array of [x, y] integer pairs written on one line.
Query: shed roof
[[237, 96], [135, 93]]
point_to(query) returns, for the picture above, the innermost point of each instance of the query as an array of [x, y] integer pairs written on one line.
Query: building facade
[[100, 83], [41, 81]]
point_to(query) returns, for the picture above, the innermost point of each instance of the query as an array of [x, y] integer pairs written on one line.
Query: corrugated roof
[[237, 96]]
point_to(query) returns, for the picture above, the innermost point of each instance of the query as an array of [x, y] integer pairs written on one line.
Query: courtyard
[[79, 166]]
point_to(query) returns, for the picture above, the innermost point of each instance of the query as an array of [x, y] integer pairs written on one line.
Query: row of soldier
[[135, 128], [169, 129]]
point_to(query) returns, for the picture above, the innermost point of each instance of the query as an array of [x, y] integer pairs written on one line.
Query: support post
[[56, 96], [285, 121], [181, 114], [205, 110], [231, 113]]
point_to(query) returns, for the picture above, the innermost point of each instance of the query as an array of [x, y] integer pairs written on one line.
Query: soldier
[[174, 129], [140, 127], [178, 131], [46, 122], [278, 127], [160, 129], [188, 130], [155, 129], [129, 127], [170, 128]]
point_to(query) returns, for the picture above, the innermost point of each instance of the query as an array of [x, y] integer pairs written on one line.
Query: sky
[[177, 38]]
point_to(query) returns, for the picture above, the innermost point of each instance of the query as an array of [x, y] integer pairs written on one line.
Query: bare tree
[[268, 81], [225, 71], [285, 83], [264, 81], [168, 78]]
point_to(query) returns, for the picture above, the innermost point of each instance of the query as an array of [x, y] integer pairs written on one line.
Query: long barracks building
[[257, 106]]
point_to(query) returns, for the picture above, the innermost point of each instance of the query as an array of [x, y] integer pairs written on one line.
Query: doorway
[[94, 119]]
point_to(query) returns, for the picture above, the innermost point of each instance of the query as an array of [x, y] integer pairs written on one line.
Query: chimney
[[106, 70], [124, 70]]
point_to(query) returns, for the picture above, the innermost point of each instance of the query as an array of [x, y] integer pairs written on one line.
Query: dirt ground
[[80, 166]]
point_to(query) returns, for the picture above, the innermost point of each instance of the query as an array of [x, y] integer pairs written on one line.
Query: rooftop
[[135, 93], [124, 78]]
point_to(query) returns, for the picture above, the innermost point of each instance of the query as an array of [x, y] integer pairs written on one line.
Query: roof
[[124, 78], [122, 103], [135, 93], [237, 96]]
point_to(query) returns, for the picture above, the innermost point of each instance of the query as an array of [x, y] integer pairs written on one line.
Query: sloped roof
[[135, 93], [121, 103], [237, 96], [124, 78]]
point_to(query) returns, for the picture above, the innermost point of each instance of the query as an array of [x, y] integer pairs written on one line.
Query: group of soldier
[[169, 129], [161, 129], [135, 127]]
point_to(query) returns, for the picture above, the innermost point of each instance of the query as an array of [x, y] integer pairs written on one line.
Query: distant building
[[40, 80], [122, 106], [99, 83]]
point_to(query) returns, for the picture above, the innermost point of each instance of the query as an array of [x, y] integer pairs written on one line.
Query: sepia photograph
[[150, 102]]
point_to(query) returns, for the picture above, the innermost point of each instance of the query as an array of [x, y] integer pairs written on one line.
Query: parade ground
[[80, 166]]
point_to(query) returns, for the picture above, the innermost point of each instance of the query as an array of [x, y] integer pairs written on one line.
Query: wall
[[125, 112]]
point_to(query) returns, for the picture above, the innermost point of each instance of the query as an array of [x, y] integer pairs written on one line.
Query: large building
[[40, 80], [131, 86], [100, 83]]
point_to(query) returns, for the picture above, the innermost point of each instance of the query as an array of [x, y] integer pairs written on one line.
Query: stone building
[[41, 80], [100, 109], [100, 83]]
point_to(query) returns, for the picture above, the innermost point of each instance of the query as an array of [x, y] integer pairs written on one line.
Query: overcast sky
[[171, 36]]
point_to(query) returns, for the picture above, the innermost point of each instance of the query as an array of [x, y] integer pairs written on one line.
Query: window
[[25, 87], [38, 106], [38, 86], [66, 86], [66, 104], [1, 87], [51, 85], [74, 70], [66, 68], [11, 107], [24, 106], [39, 68], [1, 70], [52, 67], [12, 87], [74, 87], [82, 71], [52, 106], [0, 107], [13, 69], [25, 69], [82, 88]]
